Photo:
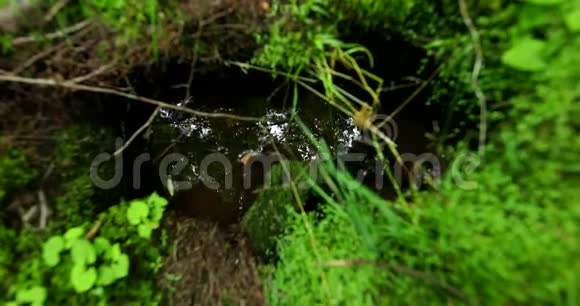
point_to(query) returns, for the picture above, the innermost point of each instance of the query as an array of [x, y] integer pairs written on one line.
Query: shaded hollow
[[201, 156]]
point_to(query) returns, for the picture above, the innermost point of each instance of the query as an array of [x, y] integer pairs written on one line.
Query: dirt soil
[[214, 266]]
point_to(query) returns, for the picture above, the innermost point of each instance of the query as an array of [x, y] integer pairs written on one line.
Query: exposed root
[[477, 65]]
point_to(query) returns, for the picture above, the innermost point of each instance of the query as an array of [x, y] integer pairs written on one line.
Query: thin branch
[[29, 214], [92, 74], [47, 173], [45, 53], [94, 230], [394, 87], [169, 147], [55, 9], [54, 35], [477, 65], [44, 210], [409, 99], [36, 58], [88, 88], [139, 131]]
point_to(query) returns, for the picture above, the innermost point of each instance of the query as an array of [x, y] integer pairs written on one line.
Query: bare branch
[[139, 131], [92, 74], [54, 35], [88, 88], [44, 210], [55, 9], [35, 58]]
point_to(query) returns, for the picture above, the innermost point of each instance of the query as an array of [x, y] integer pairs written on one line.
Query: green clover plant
[[94, 263], [146, 214]]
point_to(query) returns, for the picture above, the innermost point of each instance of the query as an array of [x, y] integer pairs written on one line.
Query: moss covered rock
[[274, 207]]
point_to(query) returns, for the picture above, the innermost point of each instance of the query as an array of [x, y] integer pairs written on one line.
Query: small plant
[[16, 172], [96, 263], [146, 214], [107, 261], [34, 296]]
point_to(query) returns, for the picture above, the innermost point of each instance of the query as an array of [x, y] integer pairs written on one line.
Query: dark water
[[217, 192], [223, 197]]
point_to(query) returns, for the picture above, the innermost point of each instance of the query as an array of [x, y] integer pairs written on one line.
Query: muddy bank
[[211, 266]]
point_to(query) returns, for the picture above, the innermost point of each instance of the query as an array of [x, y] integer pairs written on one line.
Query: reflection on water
[[198, 137]]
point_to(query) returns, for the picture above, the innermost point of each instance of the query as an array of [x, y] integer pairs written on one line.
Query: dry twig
[[55, 9], [44, 210], [139, 131], [92, 74], [35, 58], [94, 230], [74, 86], [54, 35]]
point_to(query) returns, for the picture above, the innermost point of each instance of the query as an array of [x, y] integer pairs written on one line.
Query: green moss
[[270, 214], [77, 203], [79, 198], [16, 172], [485, 235], [302, 31]]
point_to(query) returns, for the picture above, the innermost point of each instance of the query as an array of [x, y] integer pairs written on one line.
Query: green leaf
[[144, 231], [83, 279], [158, 203], [572, 20], [51, 250], [106, 276], [121, 266], [101, 245], [35, 295], [82, 252], [157, 200], [137, 212], [526, 55], [115, 252], [72, 235]]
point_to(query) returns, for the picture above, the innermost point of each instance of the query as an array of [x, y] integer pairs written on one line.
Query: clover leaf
[[101, 245], [82, 252], [158, 203], [83, 279], [145, 230], [51, 250], [572, 20], [121, 266], [35, 295], [115, 252], [106, 276], [72, 235], [137, 212]]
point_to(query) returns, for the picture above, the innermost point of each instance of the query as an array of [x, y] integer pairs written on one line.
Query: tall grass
[[509, 237]]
